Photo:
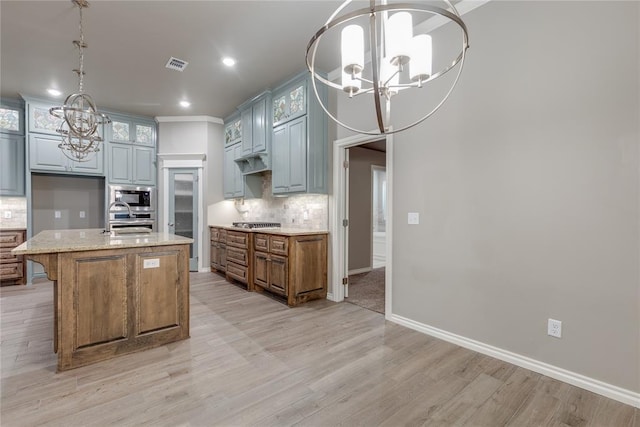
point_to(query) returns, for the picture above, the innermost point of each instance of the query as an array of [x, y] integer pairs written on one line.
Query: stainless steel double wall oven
[[142, 201]]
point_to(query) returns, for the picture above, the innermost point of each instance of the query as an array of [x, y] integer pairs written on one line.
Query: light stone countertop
[[54, 241], [282, 231]]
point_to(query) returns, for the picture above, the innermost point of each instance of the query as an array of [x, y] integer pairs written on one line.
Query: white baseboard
[[360, 270], [608, 390], [205, 270], [330, 297]]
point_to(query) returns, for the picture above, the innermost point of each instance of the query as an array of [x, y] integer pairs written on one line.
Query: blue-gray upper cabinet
[[235, 184], [300, 141], [133, 130], [131, 164], [290, 101], [232, 130], [45, 154], [132, 150], [12, 173], [256, 125]]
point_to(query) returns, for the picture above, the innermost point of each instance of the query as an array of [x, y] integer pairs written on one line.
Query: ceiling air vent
[[176, 64]]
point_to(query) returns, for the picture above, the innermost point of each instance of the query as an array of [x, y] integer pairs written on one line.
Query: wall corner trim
[[174, 119], [611, 391]]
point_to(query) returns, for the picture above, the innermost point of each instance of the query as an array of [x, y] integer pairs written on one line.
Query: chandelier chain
[[81, 49]]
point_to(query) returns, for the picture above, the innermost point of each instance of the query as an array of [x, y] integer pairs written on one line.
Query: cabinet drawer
[[7, 257], [238, 256], [11, 271], [11, 239], [238, 239], [261, 242], [218, 235], [238, 272], [279, 245]]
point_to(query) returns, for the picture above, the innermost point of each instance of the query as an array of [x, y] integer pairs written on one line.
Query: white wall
[[527, 185]]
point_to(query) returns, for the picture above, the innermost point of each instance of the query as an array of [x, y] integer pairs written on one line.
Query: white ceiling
[[129, 43]]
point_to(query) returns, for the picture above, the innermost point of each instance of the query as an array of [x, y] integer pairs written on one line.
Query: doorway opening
[[361, 249], [367, 225]]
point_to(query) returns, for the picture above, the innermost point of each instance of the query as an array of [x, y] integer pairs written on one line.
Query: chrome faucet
[[107, 223]]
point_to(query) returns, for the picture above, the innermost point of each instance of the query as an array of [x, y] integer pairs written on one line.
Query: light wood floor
[[253, 361]]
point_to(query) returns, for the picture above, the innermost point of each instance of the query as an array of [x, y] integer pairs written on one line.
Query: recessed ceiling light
[[229, 62], [54, 92], [185, 104]]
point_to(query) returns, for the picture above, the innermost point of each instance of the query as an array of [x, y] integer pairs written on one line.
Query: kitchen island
[[113, 294]]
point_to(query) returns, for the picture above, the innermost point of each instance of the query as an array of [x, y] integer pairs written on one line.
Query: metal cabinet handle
[[171, 224]]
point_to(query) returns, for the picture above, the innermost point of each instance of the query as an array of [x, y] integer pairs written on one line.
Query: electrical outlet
[[82, 214], [57, 214], [554, 328], [7, 214]]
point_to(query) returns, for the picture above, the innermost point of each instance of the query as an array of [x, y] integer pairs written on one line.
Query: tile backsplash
[[296, 211], [17, 208]]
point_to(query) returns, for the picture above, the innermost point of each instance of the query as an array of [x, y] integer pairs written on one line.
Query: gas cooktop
[[256, 224]]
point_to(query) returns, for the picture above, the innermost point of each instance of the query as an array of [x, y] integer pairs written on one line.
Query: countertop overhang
[[54, 241]]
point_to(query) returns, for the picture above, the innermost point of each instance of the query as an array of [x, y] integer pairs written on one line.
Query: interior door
[[183, 208]]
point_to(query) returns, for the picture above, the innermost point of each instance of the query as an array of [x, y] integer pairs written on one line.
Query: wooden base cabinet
[[239, 251], [218, 250], [117, 301], [294, 267], [12, 267]]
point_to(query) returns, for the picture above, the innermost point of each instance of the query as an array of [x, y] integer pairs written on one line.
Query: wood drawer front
[[238, 256], [7, 257], [222, 236], [238, 272], [261, 242], [215, 234], [238, 239], [11, 271], [279, 245], [11, 239]]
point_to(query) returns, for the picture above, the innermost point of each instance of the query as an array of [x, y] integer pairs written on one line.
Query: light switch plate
[[413, 218], [57, 214], [83, 214], [7, 214]]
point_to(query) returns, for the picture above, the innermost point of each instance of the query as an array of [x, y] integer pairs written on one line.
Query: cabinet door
[[259, 133], [12, 162], [247, 131], [280, 161], [298, 155], [145, 133], [41, 121], [228, 169], [144, 165], [120, 163], [44, 154], [278, 274], [260, 269], [94, 166], [290, 103], [238, 179], [120, 129]]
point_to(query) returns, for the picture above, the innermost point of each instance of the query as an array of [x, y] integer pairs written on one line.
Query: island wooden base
[[117, 301]]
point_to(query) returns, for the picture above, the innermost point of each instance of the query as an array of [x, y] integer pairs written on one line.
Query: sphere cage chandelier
[[79, 127], [391, 51]]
